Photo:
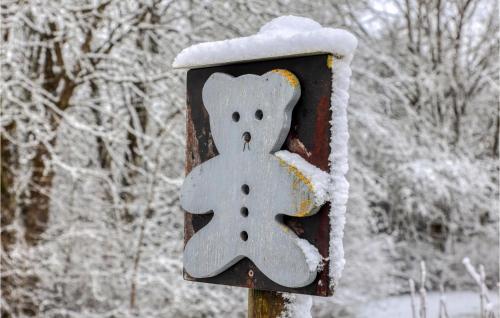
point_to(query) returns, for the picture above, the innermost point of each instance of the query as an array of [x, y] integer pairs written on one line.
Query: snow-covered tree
[[424, 133]]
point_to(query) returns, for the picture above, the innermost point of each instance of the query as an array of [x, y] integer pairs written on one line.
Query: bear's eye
[[236, 116], [259, 114]]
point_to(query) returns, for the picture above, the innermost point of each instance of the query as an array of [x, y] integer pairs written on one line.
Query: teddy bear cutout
[[246, 186]]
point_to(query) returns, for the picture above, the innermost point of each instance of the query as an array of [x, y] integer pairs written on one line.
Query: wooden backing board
[[309, 136]]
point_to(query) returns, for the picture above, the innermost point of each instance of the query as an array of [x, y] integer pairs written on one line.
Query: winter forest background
[[92, 133]]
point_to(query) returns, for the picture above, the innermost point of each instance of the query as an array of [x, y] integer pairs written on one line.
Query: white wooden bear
[[247, 186]]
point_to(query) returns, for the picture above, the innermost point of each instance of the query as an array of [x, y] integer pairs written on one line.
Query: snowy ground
[[463, 304]]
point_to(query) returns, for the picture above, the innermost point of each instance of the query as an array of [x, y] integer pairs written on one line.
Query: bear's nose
[[246, 136]]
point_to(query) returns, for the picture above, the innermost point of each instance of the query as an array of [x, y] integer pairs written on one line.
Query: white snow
[[320, 180], [335, 186], [292, 36], [472, 271], [283, 36], [296, 306], [459, 304], [341, 73], [313, 257]]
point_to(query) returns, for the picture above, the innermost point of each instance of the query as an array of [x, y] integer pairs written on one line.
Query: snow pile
[[320, 180], [283, 36], [313, 257], [289, 25], [458, 304], [296, 306], [291, 36]]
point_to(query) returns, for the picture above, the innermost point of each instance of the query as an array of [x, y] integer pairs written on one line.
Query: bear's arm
[[303, 187], [198, 192]]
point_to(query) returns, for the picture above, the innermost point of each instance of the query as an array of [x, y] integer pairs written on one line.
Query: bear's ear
[[288, 82], [216, 84]]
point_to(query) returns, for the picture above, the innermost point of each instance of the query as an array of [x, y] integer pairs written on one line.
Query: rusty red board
[[309, 137]]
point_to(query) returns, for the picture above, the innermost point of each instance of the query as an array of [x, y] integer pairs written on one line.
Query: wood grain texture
[[309, 136], [265, 304]]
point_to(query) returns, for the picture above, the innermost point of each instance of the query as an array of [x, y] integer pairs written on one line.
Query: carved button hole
[[245, 188], [244, 211], [259, 114], [244, 235], [236, 116], [247, 136]]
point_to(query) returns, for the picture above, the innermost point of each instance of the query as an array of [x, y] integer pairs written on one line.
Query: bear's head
[[250, 112]]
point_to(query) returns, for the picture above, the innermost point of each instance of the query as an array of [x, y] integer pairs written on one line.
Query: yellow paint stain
[[295, 183], [296, 172], [282, 162], [306, 204], [284, 228], [329, 61], [305, 208], [292, 79]]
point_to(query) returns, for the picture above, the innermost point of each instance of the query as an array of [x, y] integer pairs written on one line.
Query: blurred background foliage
[[92, 132]]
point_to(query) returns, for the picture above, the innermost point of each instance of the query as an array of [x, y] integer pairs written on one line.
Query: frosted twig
[[443, 311], [480, 278], [482, 291], [412, 293], [471, 270], [423, 294]]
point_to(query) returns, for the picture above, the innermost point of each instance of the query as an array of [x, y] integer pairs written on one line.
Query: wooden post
[[265, 304]]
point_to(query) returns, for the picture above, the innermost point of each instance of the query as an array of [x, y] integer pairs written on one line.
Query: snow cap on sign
[[283, 36]]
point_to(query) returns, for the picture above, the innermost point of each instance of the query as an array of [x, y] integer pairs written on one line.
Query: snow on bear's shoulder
[[319, 179]]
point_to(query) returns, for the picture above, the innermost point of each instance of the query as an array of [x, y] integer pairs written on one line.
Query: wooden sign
[[252, 218], [247, 186]]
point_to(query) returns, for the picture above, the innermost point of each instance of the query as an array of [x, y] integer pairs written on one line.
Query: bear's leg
[[284, 262], [206, 254]]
